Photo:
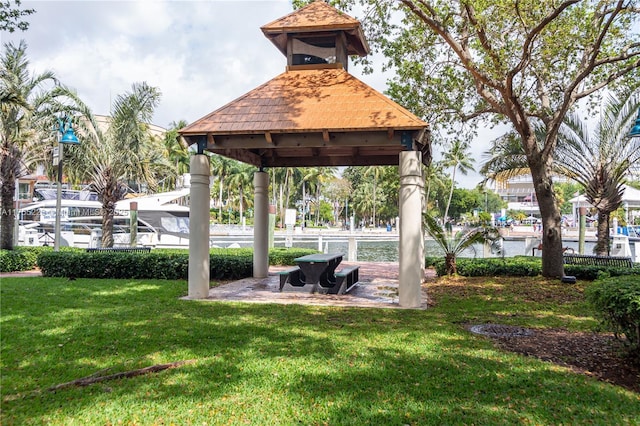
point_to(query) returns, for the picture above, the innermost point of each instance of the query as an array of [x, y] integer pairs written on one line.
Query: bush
[[20, 258], [524, 266], [617, 302], [284, 256], [170, 264]]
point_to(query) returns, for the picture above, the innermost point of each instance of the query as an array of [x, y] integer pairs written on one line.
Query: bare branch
[[610, 78]]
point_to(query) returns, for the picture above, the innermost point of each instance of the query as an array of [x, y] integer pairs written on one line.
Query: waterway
[[384, 248]]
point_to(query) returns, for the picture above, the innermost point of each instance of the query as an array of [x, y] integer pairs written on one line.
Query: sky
[[200, 54]]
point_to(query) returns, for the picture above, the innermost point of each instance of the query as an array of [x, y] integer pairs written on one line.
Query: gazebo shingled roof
[[314, 114], [317, 17]]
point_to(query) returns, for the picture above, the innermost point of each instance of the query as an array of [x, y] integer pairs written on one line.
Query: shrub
[[285, 256], [170, 264], [525, 266], [488, 267], [20, 258], [617, 302]]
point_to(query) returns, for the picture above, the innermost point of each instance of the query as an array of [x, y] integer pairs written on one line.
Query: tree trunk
[[552, 260], [108, 211], [450, 264], [109, 199], [453, 184], [7, 216], [602, 243]]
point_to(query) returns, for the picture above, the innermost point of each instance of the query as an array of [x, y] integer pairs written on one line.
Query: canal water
[[381, 249]]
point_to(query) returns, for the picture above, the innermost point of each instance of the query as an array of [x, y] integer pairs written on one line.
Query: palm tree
[[454, 244], [241, 178], [601, 160], [176, 150], [29, 109], [221, 169], [457, 157], [123, 153], [375, 172], [433, 175]]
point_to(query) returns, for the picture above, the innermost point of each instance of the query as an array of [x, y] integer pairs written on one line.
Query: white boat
[[163, 220]]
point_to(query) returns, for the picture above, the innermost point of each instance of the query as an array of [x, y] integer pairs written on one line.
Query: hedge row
[[224, 264], [617, 302], [20, 258], [528, 266]]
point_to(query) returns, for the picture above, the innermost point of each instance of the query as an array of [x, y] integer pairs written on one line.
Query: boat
[[162, 220]]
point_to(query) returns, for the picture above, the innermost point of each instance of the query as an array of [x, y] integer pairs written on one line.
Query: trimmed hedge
[[170, 264], [285, 256], [523, 266], [617, 302], [20, 258]]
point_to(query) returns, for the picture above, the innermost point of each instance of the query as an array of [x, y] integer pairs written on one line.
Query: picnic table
[[319, 271]]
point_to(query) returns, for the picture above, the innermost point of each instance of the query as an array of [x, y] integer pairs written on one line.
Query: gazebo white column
[[199, 228], [261, 225], [411, 235]]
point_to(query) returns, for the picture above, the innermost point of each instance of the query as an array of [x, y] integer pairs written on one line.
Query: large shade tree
[[30, 105], [511, 61]]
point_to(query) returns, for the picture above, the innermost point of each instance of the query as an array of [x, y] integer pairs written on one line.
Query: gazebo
[[313, 114]]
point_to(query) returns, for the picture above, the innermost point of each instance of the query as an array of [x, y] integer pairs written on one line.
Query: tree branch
[[528, 43], [89, 380]]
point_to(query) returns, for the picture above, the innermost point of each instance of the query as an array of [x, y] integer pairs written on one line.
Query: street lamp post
[[635, 130], [67, 136]]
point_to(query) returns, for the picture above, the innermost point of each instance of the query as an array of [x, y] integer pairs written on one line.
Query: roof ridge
[[304, 10]]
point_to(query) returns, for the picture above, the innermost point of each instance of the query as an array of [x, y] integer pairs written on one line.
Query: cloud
[[200, 54]]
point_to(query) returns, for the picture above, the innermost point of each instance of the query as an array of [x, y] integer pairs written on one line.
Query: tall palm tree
[[176, 150], [433, 175], [241, 178], [221, 168], [458, 158], [601, 160], [29, 108], [374, 172], [122, 153]]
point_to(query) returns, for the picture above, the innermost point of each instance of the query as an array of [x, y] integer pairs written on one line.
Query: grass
[[290, 364]]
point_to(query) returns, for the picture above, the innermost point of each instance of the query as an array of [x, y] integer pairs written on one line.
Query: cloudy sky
[[200, 54]]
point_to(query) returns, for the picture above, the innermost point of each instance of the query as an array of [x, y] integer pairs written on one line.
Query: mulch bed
[[598, 355]]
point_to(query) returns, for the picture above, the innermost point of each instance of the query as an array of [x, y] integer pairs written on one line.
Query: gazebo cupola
[[317, 36]]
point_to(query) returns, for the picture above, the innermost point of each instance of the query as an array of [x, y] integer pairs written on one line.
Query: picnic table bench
[[319, 270], [120, 250], [592, 260]]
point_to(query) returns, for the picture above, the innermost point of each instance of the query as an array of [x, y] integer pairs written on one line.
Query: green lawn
[[285, 364]]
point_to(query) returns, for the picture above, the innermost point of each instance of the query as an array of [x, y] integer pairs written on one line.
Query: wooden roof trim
[[390, 132], [334, 66]]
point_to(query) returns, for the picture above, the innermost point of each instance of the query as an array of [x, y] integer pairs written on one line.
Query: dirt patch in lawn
[[599, 355], [594, 354]]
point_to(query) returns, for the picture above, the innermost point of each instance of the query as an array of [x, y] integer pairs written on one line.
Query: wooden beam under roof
[[309, 139]]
